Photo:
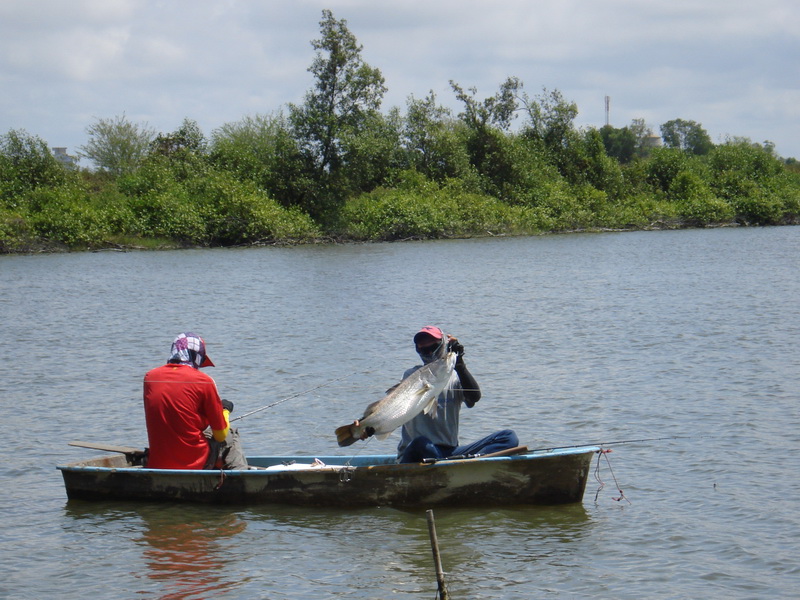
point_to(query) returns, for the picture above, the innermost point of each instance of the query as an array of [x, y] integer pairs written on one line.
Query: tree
[[619, 143], [188, 139], [489, 148], [431, 139], [372, 153], [346, 95], [497, 111], [686, 135], [601, 170], [116, 145], [646, 140], [664, 165], [262, 149], [26, 163], [550, 118], [551, 125]]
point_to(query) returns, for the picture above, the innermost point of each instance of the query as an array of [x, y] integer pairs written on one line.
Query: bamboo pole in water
[[437, 561]]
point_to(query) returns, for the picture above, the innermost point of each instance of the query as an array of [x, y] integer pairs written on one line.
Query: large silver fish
[[417, 393]]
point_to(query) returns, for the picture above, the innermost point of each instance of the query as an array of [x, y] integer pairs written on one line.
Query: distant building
[[70, 162], [652, 141]]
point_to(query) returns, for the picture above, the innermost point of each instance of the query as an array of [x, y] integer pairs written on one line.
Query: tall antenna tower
[[608, 107]]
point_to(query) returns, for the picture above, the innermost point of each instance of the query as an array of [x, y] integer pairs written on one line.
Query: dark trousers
[[421, 448]]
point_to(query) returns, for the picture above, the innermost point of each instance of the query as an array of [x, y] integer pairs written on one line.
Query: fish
[[417, 393]]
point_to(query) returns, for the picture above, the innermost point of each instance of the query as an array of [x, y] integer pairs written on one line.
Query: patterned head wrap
[[190, 349]]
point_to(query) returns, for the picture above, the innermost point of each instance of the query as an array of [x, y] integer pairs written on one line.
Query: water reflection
[[514, 537], [187, 557], [391, 549], [184, 549]]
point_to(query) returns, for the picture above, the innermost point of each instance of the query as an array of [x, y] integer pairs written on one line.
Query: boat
[[517, 476]]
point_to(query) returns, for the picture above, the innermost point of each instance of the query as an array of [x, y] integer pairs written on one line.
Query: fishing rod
[[674, 437], [304, 392], [525, 450]]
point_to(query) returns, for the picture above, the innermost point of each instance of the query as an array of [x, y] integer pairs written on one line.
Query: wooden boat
[[514, 477]]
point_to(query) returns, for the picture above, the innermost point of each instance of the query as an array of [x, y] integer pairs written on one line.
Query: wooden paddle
[[133, 455], [107, 447]]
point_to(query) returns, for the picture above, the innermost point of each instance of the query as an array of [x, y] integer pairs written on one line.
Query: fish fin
[[424, 389], [369, 409], [344, 435], [430, 408], [383, 436]]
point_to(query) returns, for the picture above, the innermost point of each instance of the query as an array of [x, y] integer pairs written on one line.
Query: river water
[[689, 336]]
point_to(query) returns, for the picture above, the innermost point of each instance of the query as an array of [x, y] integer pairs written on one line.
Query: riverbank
[[49, 247]]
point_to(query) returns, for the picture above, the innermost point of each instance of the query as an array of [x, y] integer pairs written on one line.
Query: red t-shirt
[[179, 403]]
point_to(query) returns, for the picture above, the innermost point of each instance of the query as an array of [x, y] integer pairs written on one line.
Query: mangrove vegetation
[[338, 167]]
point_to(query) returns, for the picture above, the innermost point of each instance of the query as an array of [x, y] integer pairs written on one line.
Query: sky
[[733, 66]]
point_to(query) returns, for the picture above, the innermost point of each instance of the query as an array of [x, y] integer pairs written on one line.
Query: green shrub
[[759, 208], [237, 212], [420, 208], [664, 165], [395, 214], [748, 161], [637, 211], [66, 215], [14, 230], [702, 211], [169, 214], [754, 182], [696, 202]]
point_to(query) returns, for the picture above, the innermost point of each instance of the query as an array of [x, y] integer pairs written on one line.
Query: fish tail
[[345, 436]]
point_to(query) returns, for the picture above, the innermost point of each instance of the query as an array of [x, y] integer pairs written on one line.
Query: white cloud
[[731, 65]]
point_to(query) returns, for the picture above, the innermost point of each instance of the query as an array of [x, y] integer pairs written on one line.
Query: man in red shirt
[[181, 403]]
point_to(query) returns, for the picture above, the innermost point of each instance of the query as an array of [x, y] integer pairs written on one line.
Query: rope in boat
[[221, 479]]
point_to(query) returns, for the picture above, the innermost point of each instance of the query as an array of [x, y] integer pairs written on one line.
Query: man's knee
[[507, 436], [418, 449]]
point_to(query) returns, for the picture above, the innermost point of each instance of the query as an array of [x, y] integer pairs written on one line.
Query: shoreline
[[45, 247]]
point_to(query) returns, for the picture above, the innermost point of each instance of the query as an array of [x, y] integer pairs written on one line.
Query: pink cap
[[430, 330]]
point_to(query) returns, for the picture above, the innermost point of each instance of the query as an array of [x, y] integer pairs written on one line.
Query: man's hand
[[453, 345], [368, 432]]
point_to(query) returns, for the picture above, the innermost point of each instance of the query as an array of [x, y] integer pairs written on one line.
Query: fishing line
[[308, 391], [355, 454], [674, 437]]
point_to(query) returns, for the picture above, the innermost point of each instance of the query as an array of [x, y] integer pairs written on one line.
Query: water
[[686, 335]]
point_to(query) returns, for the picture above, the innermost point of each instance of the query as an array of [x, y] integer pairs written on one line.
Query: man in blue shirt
[[425, 437]]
